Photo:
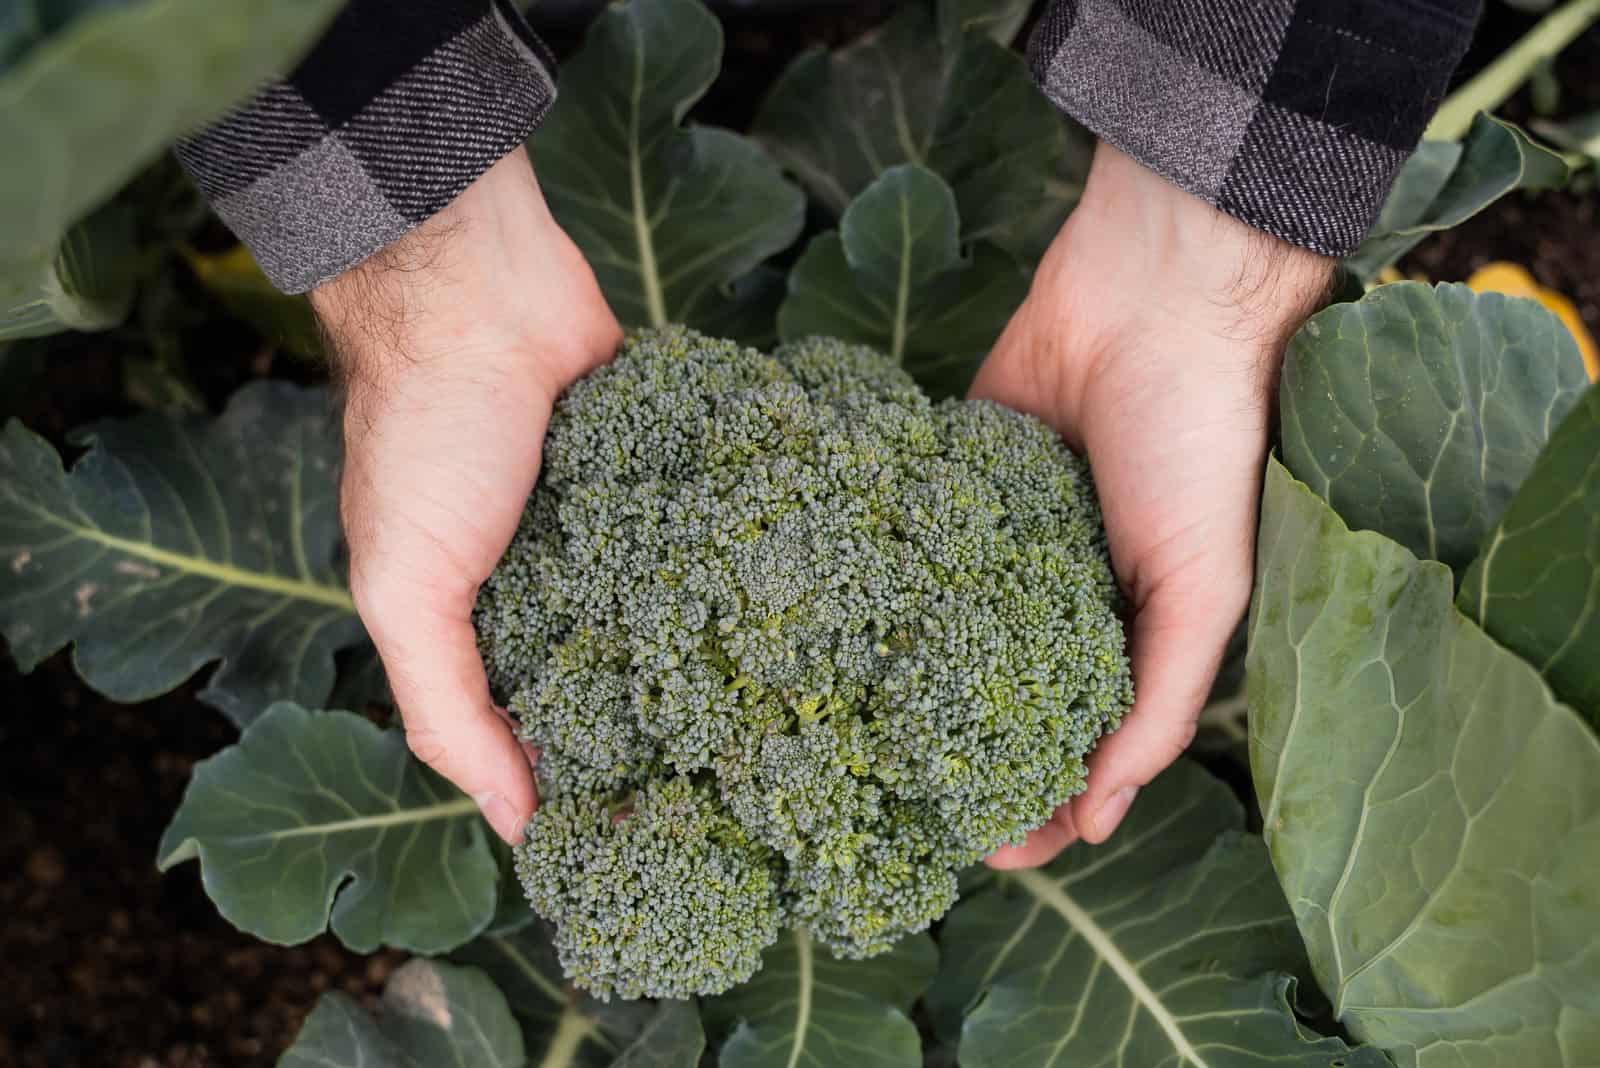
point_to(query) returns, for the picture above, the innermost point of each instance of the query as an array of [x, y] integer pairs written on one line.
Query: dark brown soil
[[105, 962]]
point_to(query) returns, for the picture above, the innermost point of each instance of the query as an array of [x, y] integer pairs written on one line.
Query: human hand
[[452, 345], [1150, 340]]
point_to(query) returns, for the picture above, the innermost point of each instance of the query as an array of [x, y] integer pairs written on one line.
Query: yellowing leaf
[[1514, 281], [282, 318]]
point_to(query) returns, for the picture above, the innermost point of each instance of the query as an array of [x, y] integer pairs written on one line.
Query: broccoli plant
[[800, 640], [796, 645]]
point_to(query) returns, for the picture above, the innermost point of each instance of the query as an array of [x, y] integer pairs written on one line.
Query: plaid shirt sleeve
[[1291, 115], [397, 109]]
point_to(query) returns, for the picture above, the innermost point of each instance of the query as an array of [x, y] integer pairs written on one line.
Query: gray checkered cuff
[[322, 169], [1291, 115]]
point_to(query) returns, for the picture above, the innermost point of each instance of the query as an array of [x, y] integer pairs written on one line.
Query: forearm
[[1293, 116]]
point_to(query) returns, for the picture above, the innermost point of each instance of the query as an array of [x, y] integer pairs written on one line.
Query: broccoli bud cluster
[[797, 644]]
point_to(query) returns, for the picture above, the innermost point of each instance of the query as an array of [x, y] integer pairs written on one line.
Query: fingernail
[[501, 816], [1110, 813]]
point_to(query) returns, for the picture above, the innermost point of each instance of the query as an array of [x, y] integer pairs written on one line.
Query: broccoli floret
[[797, 645], [664, 896]]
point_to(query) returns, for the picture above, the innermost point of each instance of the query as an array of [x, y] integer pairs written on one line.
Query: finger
[[1176, 646], [451, 724], [529, 750], [1042, 845]]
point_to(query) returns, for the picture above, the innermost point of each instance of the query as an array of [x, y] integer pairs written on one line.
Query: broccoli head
[[797, 644]]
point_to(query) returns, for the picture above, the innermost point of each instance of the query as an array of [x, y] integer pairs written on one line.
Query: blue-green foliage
[[797, 644]]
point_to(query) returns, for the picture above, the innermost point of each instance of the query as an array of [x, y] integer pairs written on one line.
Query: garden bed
[[102, 961]]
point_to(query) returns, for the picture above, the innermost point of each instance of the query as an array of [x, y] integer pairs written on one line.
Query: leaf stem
[[1490, 87], [572, 1030]]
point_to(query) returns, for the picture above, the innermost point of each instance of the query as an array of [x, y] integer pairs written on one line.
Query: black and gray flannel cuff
[[397, 109], [1291, 115]]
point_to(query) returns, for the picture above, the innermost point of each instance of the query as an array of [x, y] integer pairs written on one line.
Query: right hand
[[453, 344]]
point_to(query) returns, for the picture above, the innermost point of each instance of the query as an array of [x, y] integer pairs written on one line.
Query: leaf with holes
[[933, 90], [937, 92], [86, 283], [177, 541], [1445, 183], [1417, 411], [894, 277], [563, 1026], [807, 1009], [90, 93], [431, 1014], [320, 820], [674, 221], [1432, 812], [1536, 586], [1168, 945]]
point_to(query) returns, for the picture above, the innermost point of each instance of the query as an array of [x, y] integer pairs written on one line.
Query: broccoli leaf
[[1536, 587], [86, 283], [1580, 134], [235, 279], [1169, 944], [319, 820], [999, 20], [674, 221], [431, 1014], [1432, 812], [894, 277], [177, 541], [1445, 183], [808, 1009], [90, 93], [1418, 411], [919, 90], [560, 1022]]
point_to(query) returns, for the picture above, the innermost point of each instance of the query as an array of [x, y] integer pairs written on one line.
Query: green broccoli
[[797, 645]]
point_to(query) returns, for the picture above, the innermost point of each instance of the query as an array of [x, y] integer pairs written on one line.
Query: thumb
[[451, 723], [1177, 642]]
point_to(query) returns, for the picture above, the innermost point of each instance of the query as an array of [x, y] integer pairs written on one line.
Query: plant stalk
[[1491, 87]]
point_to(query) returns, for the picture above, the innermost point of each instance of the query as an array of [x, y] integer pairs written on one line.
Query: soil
[[105, 962]]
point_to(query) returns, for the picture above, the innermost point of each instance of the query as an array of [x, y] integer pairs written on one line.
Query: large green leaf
[[1432, 812], [85, 283], [322, 820], [1536, 586], [807, 1009], [894, 277], [964, 106], [432, 1014], [563, 1027], [91, 92], [177, 541], [1168, 945], [1417, 411], [674, 221], [1445, 183]]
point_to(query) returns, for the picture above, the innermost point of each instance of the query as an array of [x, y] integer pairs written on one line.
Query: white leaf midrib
[[1055, 896], [649, 272]]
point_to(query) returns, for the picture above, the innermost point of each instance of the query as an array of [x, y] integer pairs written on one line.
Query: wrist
[[491, 277], [1182, 260]]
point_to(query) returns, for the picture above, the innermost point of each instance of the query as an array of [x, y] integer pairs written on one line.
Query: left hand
[[1150, 340]]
